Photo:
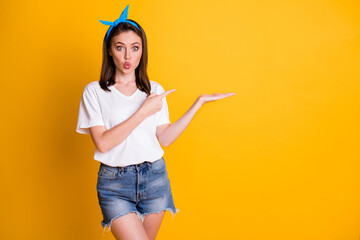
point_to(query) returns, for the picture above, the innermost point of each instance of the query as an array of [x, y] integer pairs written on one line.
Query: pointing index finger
[[164, 94]]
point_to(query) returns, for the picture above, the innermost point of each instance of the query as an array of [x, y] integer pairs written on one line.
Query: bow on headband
[[122, 18]]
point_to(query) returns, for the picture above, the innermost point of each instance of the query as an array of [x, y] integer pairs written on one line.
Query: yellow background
[[279, 160]]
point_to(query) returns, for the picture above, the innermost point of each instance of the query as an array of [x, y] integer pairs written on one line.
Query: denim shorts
[[141, 188]]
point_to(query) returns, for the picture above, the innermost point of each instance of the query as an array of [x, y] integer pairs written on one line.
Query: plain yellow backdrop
[[279, 160]]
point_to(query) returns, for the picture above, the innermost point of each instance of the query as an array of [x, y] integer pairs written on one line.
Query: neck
[[121, 78]]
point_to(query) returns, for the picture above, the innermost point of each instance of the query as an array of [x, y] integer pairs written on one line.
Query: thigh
[[152, 223], [128, 227]]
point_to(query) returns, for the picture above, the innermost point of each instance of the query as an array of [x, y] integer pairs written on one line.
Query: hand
[[153, 103], [204, 98]]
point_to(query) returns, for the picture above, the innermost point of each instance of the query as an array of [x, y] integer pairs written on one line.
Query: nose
[[127, 54]]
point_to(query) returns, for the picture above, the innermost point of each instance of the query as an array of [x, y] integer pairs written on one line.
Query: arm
[[167, 134], [106, 139]]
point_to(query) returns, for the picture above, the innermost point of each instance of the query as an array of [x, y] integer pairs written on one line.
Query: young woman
[[127, 116]]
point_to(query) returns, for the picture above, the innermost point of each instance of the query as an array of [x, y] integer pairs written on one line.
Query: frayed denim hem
[[141, 217], [172, 211]]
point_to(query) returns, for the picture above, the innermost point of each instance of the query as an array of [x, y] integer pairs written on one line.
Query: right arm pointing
[[106, 139]]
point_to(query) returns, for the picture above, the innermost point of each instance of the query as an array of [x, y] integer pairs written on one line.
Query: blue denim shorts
[[141, 188]]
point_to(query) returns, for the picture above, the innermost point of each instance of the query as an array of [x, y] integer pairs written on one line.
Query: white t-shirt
[[99, 107]]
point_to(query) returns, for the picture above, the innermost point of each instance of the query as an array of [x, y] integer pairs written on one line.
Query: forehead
[[127, 37]]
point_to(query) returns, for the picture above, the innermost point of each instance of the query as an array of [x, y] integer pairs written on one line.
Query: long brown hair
[[107, 77]]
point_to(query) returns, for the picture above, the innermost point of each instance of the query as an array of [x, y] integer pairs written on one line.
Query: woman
[[127, 116]]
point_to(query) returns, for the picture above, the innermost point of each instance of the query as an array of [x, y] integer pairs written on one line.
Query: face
[[126, 50]]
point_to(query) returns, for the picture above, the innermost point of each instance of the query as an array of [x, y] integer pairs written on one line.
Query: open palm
[[204, 98]]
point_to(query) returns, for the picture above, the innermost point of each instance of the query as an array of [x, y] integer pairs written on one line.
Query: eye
[[137, 48], [118, 47]]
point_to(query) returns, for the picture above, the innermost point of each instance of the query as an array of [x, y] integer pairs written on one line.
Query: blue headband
[[122, 18]]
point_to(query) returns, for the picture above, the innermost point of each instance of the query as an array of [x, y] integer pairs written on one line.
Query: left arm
[[168, 133]]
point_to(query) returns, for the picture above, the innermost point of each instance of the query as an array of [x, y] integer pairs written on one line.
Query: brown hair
[[107, 76]]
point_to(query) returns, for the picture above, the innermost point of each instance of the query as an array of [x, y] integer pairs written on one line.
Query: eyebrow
[[131, 44]]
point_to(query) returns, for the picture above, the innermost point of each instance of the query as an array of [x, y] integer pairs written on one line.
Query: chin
[[127, 70]]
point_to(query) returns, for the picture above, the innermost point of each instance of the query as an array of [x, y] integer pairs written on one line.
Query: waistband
[[128, 166], [132, 166]]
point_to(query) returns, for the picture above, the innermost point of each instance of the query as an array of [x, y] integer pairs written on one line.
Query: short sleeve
[[89, 112], [164, 112]]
